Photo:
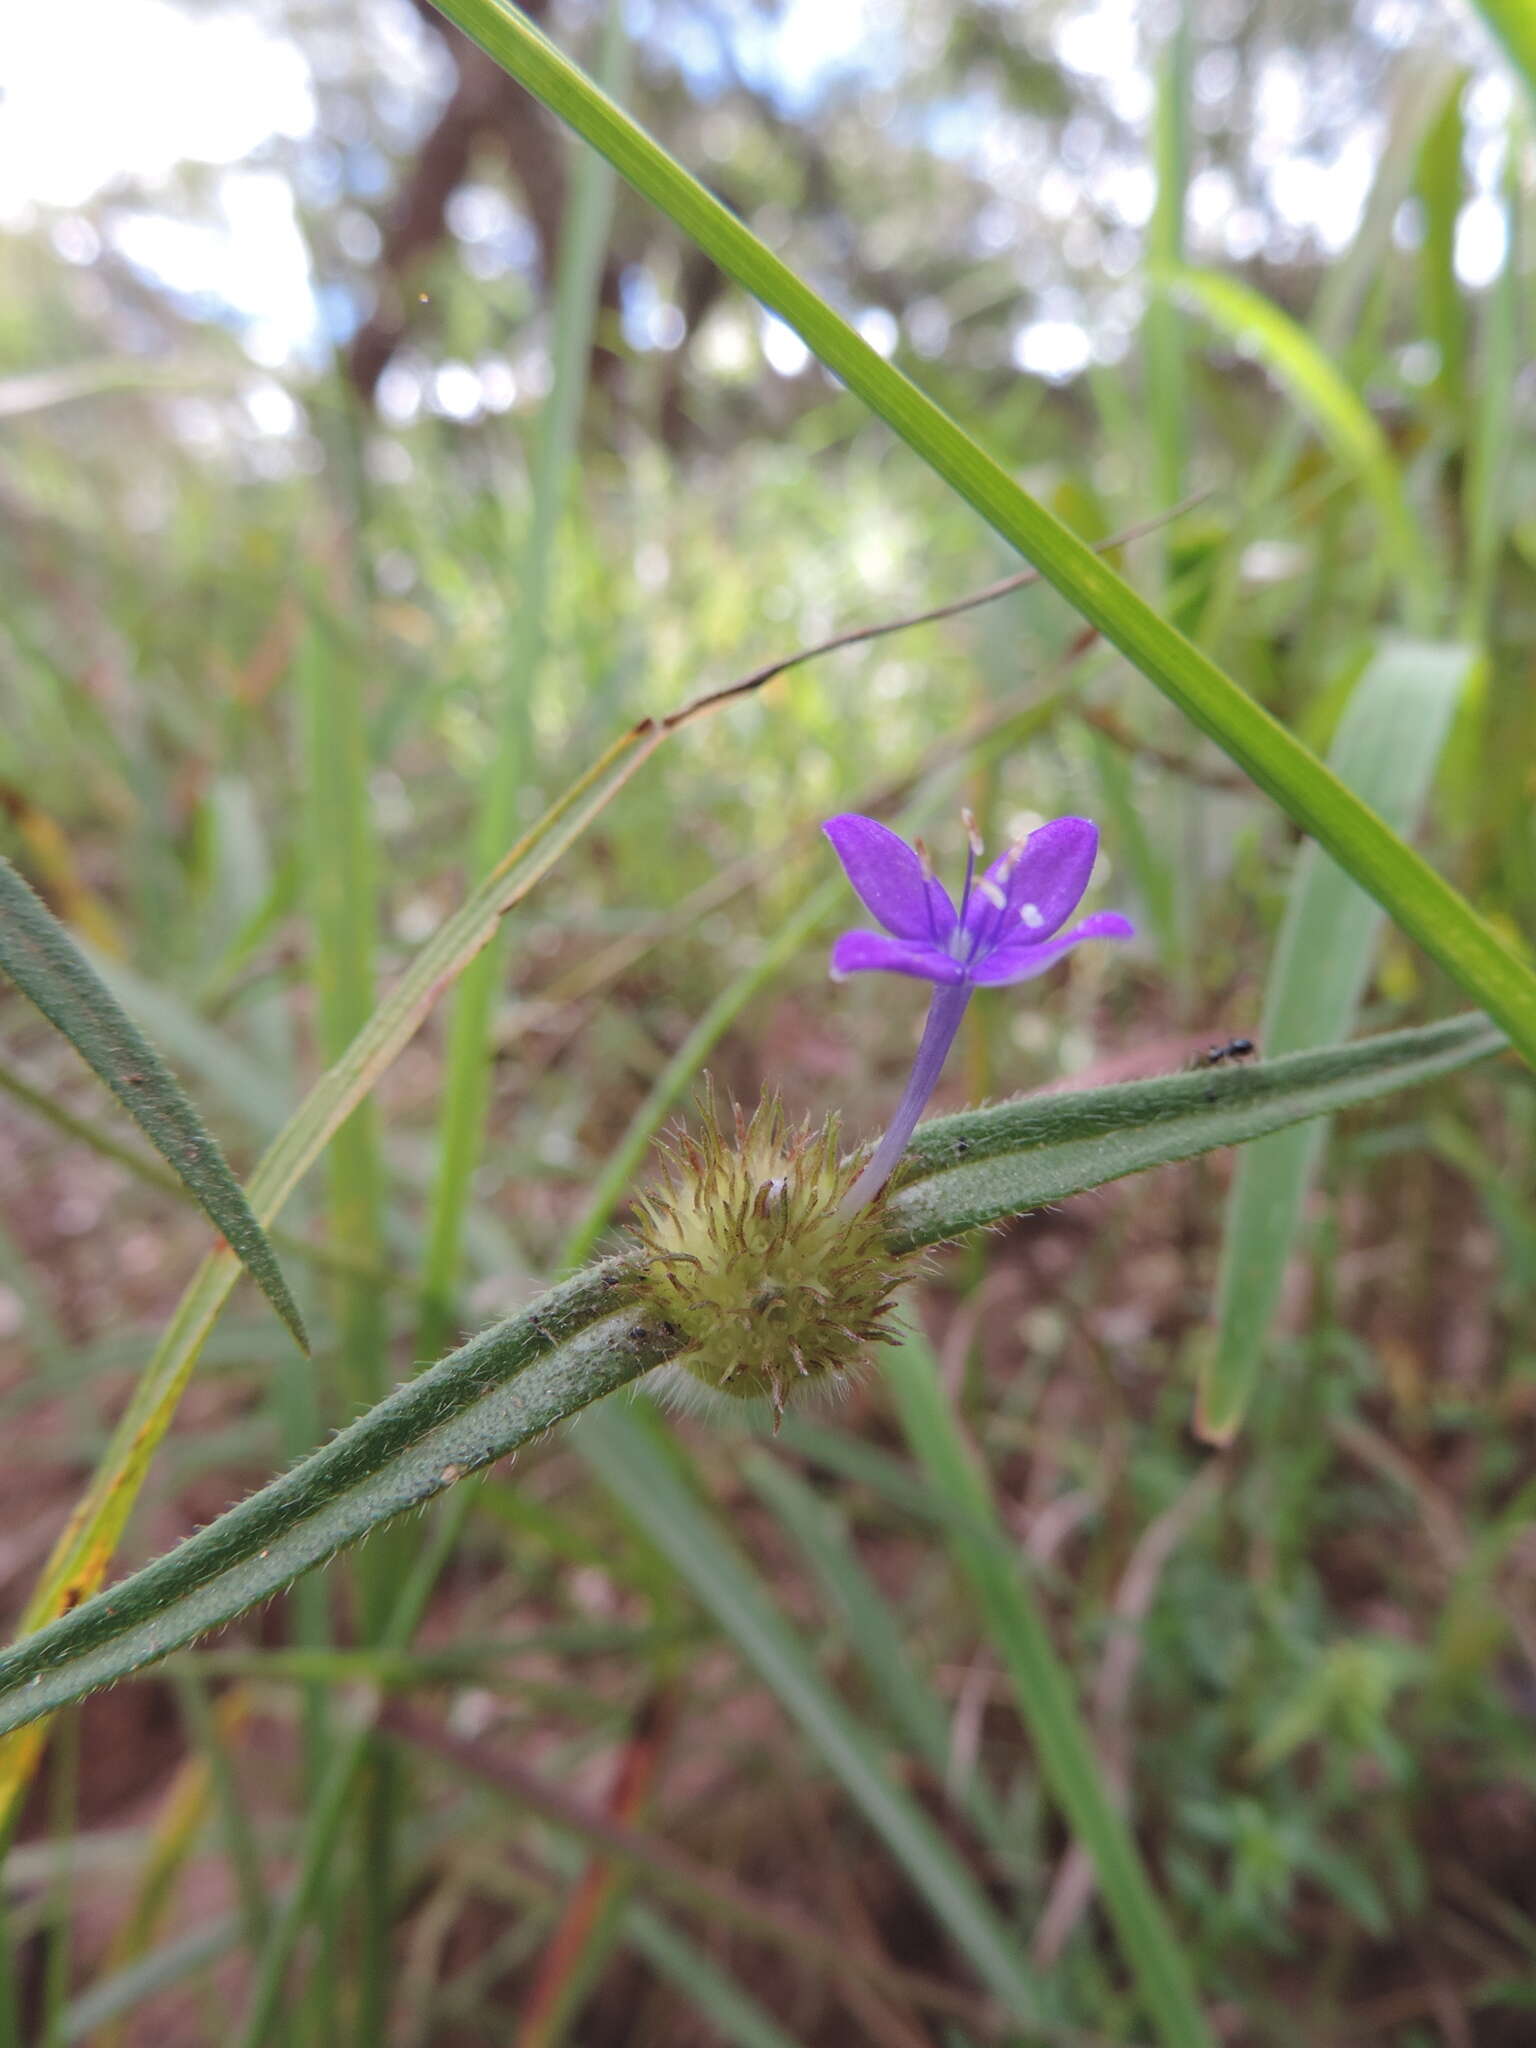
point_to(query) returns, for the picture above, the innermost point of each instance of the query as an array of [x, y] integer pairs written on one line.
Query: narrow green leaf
[[1440, 192], [1492, 441], [1388, 743], [638, 1471], [986, 1164], [1347, 427], [871, 1625], [47, 966], [1420, 900], [731, 2012], [1408, 98], [1162, 324], [1514, 23], [570, 1348], [340, 892], [1019, 1634], [467, 1067]]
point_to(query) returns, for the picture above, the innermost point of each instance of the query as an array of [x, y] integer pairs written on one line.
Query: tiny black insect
[[1219, 1055]]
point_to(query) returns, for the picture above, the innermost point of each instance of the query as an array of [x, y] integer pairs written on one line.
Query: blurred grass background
[[366, 475]]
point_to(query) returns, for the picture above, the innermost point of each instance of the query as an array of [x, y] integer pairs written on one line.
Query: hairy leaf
[[514, 1381], [46, 965]]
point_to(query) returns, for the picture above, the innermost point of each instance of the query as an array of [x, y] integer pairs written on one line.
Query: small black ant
[[1234, 1049], [1233, 1053]]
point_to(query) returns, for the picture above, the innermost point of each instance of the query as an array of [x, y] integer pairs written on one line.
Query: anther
[[925, 859], [988, 888], [968, 820]]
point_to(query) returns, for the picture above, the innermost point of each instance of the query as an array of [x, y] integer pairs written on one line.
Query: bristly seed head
[[744, 1252]]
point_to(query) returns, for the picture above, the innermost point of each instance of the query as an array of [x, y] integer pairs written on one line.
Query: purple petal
[[1019, 960], [868, 952], [888, 878], [1048, 879]]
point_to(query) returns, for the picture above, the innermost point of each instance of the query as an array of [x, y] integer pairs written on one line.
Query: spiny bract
[[745, 1253]]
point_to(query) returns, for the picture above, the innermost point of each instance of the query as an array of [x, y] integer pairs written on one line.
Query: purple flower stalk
[[1008, 927]]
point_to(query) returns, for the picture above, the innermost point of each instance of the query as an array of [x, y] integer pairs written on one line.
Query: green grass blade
[[867, 1620], [734, 2016], [637, 1470], [1388, 745], [247, 1087], [1514, 24], [1020, 1636], [1345, 425], [1409, 99], [982, 1165], [1440, 194], [467, 1071], [340, 888], [47, 966], [570, 1348], [1492, 438], [340, 883], [1420, 900], [1162, 336]]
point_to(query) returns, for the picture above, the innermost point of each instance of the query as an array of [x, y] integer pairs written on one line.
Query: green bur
[[747, 1257]]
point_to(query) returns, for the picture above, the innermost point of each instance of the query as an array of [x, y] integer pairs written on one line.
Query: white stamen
[[968, 820], [1030, 912], [1012, 857], [993, 894], [925, 859]]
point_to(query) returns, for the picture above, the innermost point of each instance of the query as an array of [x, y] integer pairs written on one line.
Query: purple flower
[[1007, 928]]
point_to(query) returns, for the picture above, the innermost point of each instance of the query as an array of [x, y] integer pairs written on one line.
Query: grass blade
[[1514, 23], [1388, 744], [570, 1348], [1492, 441], [466, 1081], [1020, 1636], [340, 890], [1343, 421], [1162, 338], [1420, 900], [871, 1626], [1443, 309], [47, 966], [982, 1165], [636, 1469]]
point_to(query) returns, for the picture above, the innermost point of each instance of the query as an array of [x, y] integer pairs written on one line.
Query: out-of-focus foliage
[[1310, 1661]]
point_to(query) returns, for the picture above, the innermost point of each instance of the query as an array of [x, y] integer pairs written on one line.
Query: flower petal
[[1020, 959], [888, 878], [869, 953], [1047, 879]]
